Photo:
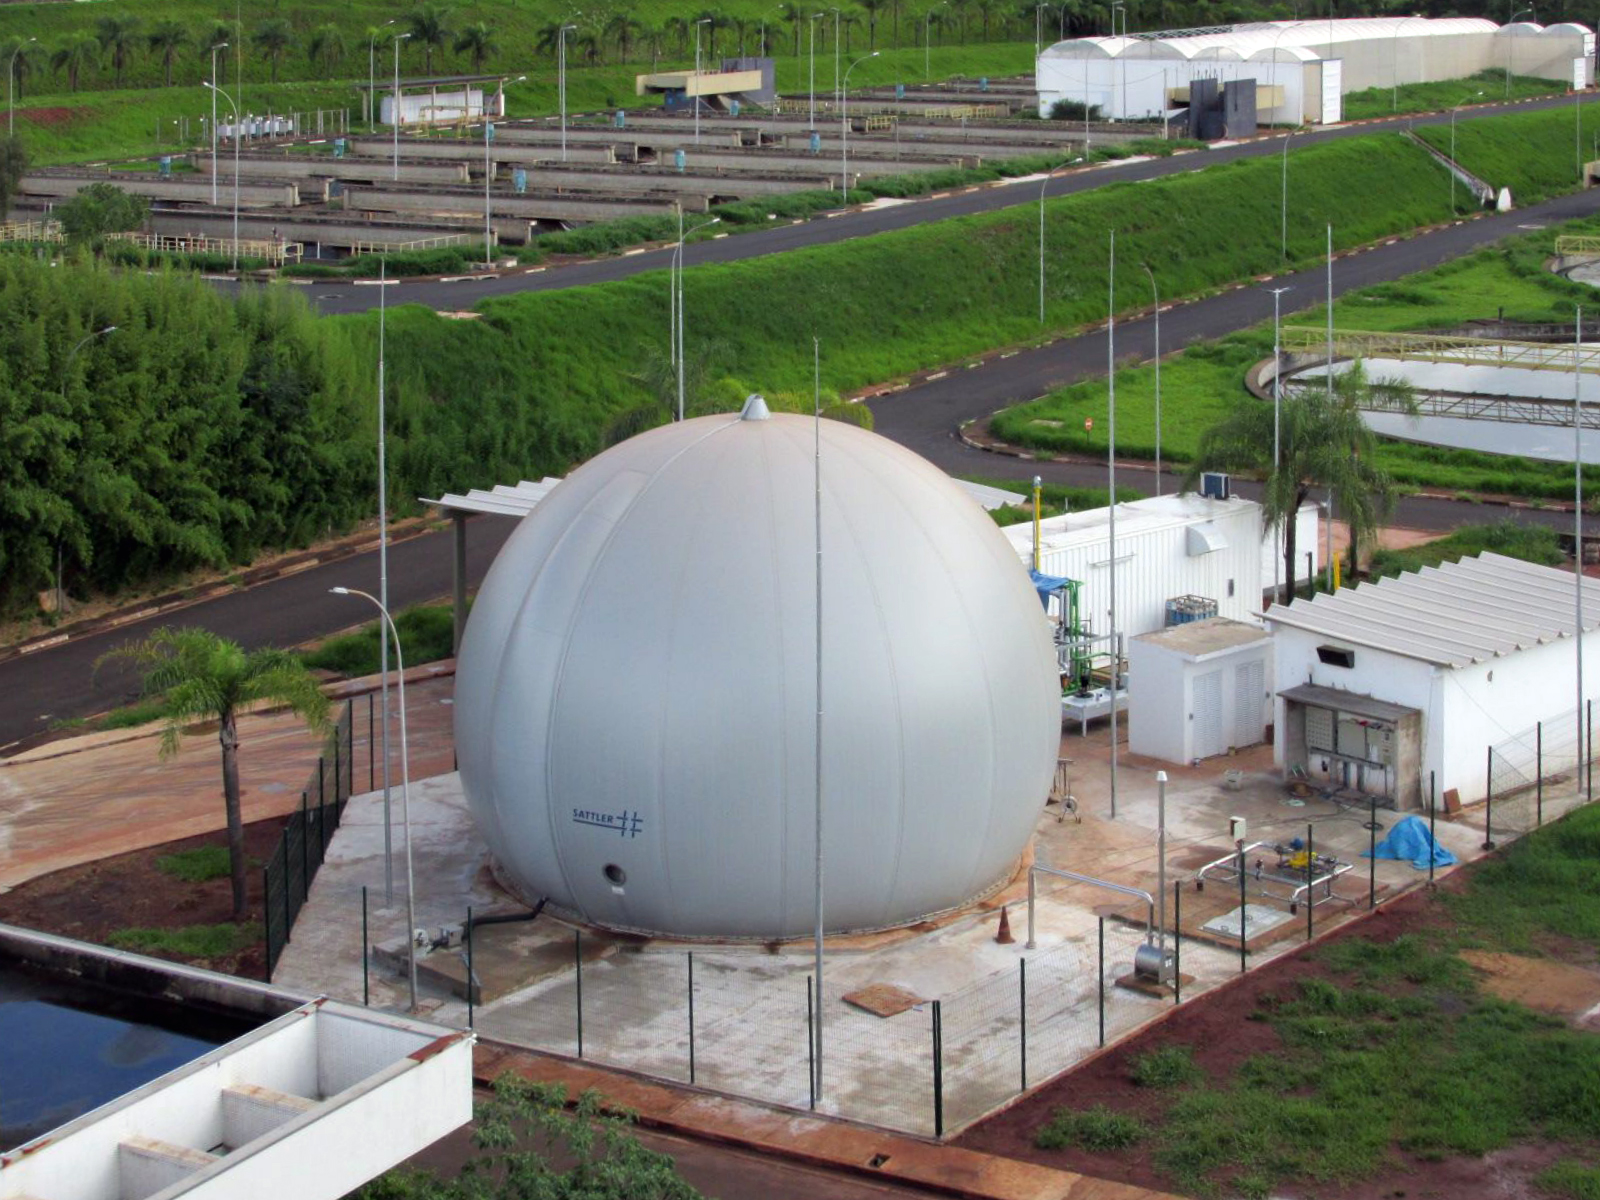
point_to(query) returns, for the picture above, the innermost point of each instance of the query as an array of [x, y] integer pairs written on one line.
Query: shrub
[[1074, 110], [1166, 1067]]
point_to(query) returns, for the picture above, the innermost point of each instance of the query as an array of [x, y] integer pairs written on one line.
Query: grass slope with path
[[1379, 1063], [1202, 384]]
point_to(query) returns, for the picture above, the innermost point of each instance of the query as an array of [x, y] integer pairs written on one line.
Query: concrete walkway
[[817, 1140]]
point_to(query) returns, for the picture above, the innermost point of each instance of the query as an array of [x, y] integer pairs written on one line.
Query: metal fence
[[286, 879], [1539, 774]]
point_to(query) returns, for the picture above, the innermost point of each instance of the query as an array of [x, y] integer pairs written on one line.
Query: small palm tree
[[201, 676], [326, 46], [476, 41], [78, 51], [166, 39], [1323, 442], [118, 37], [273, 38], [623, 29], [430, 29]]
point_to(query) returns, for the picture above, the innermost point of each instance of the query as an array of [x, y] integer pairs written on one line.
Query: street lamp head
[[400, 37], [220, 46], [340, 591]]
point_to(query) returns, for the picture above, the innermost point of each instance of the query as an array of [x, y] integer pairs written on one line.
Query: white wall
[[1464, 710], [419, 108], [1164, 708]]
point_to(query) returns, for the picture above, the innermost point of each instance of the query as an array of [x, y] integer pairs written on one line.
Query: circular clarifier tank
[[636, 705]]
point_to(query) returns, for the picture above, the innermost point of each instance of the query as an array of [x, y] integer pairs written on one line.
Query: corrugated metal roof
[[1454, 614], [519, 501]]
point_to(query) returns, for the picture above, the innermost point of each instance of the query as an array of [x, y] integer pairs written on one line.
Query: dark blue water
[[66, 1048]]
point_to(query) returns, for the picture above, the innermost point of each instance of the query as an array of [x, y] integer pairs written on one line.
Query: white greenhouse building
[[1301, 69]]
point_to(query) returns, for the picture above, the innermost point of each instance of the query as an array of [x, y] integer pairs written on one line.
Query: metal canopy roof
[[1451, 615], [519, 501]]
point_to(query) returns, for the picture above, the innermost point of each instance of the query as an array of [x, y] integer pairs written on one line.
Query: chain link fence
[[1539, 774], [286, 879]]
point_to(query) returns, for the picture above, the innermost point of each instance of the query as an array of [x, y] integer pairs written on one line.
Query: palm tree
[[476, 41], [623, 28], [16, 51], [166, 39], [200, 676], [273, 39], [78, 51], [118, 36], [326, 45], [1354, 390], [873, 8], [430, 29], [1323, 442]]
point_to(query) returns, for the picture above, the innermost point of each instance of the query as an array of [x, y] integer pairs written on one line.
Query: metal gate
[[1208, 714]]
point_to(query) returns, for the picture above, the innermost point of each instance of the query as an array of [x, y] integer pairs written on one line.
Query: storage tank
[[636, 691]]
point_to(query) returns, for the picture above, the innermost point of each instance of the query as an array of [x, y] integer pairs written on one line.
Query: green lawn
[[1442, 94], [1203, 383], [1397, 1048], [1536, 154]]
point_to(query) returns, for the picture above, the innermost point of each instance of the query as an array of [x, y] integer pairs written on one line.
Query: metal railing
[[1570, 245], [273, 250], [31, 231], [286, 879], [360, 246], [1439, 348], [1539, 774]]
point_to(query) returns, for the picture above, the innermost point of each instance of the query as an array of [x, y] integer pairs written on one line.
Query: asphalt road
[[351, 297], [62, 681]]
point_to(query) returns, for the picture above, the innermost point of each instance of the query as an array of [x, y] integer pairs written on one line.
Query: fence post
[[350, 743], [938, 1071], [338, 768], [1372, 853], [266, 918], [1488, 804], [1588, 739], [1433, 822], [1244, 904], [288, 916], [322, 770], [1022, 1010], [577, 962], [1538, 772], [305, 848], [811, 1050], [1102, 975], [1177, 942], [372, 749], [366, 983], [691, 1016], [1311, 871]]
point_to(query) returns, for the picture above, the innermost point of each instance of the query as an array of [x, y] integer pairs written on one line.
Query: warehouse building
[[1382, 686], [1300, 70]]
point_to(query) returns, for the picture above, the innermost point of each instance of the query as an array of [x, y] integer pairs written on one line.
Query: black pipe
[[504, 918]]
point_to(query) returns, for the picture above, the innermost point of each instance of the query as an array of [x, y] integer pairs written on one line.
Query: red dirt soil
[[50, 118], [92, 901], [1217, 1030]]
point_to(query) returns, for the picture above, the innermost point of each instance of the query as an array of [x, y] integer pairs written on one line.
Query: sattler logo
[[625, 823]]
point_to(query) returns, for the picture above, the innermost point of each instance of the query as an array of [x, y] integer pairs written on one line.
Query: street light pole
[[397, 114], [1156, 295], [488, 175], [1283, 207], [927, 39], [214, 49], [1277, 406], [683, 234], [815, 17], [1045, 182], [372, 77], [11, 90], [836, 85], [1464, 99], [1509, 24], [215, 90], [561, 82], [405, 788], [696, 98], [844, 128]]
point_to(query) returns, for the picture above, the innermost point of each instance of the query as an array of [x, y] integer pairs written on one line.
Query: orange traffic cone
[[1003, 934]]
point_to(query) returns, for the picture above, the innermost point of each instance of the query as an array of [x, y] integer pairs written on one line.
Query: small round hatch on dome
[[755, 408]]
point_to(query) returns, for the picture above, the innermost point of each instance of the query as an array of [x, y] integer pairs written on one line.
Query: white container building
[[1167, 547], [1199, 689], [1380, 685], [1302, 69]]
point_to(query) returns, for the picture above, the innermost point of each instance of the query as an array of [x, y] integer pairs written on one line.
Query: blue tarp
[[1046, 585], [1410, 840]]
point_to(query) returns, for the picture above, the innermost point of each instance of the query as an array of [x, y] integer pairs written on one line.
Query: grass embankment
[[426, 635], [1536, 154], [1391, 1048], [1203, 383], [1441, 94], [1532, 543], [59, 126]]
